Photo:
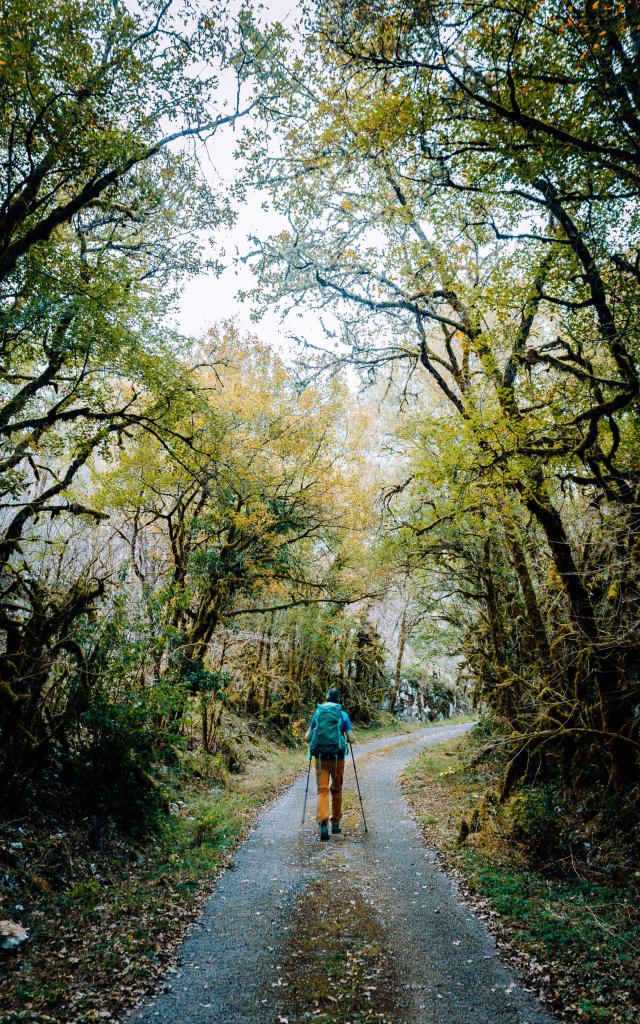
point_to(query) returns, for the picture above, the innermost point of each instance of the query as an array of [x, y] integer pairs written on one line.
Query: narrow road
[[239, 963]]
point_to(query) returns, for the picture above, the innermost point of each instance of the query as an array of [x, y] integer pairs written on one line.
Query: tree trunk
[[393, 692], [205, 723], [532, 606], [577, 594], [601, 667], [497, 634], [265, 694]]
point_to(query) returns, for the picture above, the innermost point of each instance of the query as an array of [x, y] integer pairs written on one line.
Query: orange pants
[[330, 769]]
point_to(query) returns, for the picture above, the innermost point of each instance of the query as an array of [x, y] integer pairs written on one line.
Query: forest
[[423, 488]]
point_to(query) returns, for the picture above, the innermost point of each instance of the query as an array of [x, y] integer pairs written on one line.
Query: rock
[[12, 935]]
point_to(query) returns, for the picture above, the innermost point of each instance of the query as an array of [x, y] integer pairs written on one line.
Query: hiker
[[327, 736]]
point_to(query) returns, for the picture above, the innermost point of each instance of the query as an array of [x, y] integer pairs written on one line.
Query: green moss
[[586, 933], [337, 967], [86, 893], [118, 929]]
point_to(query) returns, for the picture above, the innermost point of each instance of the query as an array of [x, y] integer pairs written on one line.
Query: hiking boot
[[324, 830], [335, 828]]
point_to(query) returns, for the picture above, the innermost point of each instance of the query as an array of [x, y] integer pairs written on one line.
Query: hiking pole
[[306, 793], [358, 785]]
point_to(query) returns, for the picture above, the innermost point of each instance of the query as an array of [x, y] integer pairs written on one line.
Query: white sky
[[207, 299]]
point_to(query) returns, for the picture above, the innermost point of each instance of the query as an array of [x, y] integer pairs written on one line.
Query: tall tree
[[452, 198], [100, 200]]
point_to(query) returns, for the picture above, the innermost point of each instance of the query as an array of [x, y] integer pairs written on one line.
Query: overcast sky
[[208, 299]]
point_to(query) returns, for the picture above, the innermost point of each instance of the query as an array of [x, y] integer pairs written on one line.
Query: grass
[[336, 969], [104, 923], [580, 938], [105, 916]]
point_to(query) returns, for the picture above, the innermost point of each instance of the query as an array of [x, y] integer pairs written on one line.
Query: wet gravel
[[445, 960]]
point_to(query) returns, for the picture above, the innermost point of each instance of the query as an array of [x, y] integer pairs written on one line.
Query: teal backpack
[[327, 739]]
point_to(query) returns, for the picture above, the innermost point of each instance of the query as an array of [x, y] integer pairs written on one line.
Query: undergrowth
[[105, 908], [533, 872], [106, 901]]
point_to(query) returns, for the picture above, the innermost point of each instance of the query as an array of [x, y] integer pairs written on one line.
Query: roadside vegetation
[[557, 886], [107, 905], [432, 499]]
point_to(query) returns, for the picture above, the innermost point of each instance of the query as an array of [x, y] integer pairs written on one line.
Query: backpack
[[327, 739]]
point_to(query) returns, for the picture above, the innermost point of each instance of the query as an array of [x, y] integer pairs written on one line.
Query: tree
[[251, 519], [88, 94], [99, 206], [460, 220]]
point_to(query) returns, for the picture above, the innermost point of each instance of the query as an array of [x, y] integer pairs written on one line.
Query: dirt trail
[[419, 955]]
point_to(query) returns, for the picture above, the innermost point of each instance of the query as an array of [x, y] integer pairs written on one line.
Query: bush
[[534, 818], [214, 823], [120, 743]]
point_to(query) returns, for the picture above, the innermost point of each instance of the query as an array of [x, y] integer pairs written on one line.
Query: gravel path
[[446, 960]]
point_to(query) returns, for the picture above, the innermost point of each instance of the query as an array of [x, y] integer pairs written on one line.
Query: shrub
[[535, 820], [214, 822], [120, 742]]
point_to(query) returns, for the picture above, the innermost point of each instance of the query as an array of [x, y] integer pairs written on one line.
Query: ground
[[106, 905], [363, 928], [570, 924]]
